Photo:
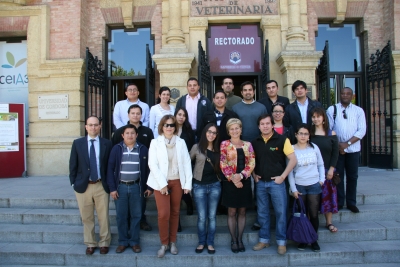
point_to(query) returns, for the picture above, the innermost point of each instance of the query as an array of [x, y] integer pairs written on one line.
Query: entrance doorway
[[237, 81]]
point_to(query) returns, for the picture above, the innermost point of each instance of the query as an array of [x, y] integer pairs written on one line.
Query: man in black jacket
[[195, 104], [300, 110], [220, 115], [144, 136], [273, 97]]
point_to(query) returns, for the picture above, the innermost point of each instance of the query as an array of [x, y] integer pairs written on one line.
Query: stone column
[[175, 34], [174, 62], [299, 59], [396, 107]]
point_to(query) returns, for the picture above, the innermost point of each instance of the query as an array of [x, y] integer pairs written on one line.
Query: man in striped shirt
[[350, 127], [127, 167]]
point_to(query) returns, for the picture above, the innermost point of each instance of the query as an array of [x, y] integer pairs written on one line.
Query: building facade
[[56, 34]]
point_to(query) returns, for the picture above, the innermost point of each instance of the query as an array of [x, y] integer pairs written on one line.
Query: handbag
[[300, 229], [336, 178]]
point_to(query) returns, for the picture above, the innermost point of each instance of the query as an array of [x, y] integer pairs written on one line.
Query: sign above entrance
[[206, 8], [234, 50]]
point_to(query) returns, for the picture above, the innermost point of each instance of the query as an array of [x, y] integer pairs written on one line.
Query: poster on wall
[[234, 50], [9, 132], [13, 75]]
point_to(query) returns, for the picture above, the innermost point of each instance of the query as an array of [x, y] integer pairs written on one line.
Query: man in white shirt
[[120, 116], [350, 127]]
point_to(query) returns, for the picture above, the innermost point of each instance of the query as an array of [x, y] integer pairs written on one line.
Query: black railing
[[379, 109], [265, 76], [95, 102], [204, 74], [150, 92], [324, 90]]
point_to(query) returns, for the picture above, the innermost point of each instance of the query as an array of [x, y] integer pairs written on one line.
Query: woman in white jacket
[[170, 172]]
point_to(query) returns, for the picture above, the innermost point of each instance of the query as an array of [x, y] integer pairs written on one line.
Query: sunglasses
[[344, 114], [170, 125]]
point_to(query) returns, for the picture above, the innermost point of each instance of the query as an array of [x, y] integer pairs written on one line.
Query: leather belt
[[91, 182], [130, 182]]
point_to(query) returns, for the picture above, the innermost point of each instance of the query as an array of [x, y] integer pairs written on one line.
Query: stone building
[[54, 35]]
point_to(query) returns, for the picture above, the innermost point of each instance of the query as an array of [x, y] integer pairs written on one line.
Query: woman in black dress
[[237, 163]]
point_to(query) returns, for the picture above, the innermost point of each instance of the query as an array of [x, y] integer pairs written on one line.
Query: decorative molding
[[198, 22], [127, 13], [341, 7]]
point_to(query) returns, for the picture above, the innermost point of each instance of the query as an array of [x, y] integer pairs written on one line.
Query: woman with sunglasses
[[206, 185], [161, 109], [278, 112], [307, 177], [170, 176], [327, 142]]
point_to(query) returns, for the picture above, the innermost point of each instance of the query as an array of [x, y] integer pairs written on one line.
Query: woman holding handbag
[[327, 142], [307, 177], [206, 185]]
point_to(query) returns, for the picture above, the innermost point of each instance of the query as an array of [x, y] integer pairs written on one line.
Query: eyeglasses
[[344, 114], [211, 132], [278, 111], [170, 125], [132, 90], [303, 134]]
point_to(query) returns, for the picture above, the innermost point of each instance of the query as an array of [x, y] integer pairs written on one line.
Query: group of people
[[210, 151]]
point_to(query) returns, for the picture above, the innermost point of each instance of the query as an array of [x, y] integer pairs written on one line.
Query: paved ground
[[370, 181]]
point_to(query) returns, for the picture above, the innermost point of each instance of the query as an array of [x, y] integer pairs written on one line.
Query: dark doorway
[[237, 81]]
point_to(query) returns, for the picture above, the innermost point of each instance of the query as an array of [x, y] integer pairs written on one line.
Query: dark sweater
[[145, 135], [209, 117], [293, 116], [329, 147], [248, 114]]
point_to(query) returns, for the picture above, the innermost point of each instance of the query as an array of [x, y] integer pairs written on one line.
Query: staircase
[[40, 225]]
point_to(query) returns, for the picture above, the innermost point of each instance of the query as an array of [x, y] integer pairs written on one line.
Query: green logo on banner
[[11, 61]]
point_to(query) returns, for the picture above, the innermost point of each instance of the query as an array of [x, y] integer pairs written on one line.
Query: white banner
[[13, 75]]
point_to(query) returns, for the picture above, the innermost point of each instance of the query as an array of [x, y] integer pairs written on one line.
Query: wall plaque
[[206, 8], [52, 107]]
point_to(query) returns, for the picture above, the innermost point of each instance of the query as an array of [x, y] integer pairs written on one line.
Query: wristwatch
[[241, 176], [349, 143]]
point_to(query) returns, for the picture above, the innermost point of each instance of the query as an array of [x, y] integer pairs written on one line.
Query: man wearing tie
[[87, 173]]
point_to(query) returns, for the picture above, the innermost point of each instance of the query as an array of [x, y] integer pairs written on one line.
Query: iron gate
[[150, 94], [264, 73], [95, 81], [323, 72], [379, 109], [204, 73]]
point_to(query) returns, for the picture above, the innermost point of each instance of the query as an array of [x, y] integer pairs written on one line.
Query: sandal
[[331, 228]]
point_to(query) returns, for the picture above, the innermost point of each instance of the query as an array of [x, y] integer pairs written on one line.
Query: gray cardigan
[[199, 164]]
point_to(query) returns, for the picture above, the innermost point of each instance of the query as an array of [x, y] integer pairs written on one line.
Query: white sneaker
[[161, 251], [173, 248]]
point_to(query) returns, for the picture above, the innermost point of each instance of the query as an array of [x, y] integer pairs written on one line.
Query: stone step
[[71, 203], [72, 234], [72, 217], [333, 253]]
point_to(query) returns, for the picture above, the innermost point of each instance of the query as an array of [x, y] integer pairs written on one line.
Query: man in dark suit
[[87, 173], [273, 97], [300, 110]]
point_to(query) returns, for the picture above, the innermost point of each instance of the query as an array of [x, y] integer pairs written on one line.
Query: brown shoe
[[281, 250], [260, 246], [90, 250], [137, 249], [120, 249], [103, 250]]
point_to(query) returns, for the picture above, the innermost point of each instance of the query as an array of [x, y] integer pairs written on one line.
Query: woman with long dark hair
[[327, 142], [278, 112], [161, 109], [307, 177], [206, 185], [186, 133]]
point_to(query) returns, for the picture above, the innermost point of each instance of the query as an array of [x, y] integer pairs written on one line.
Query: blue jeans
[[206, 197], [348, 162], [129, 211], [276, 193]]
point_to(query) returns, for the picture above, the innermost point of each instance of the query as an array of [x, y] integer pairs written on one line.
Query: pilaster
[[396, 107]]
